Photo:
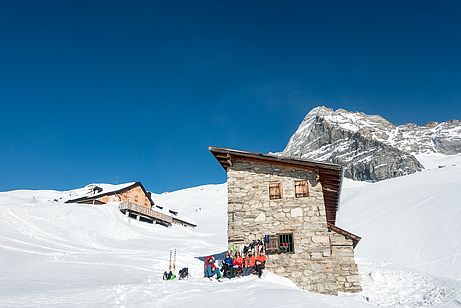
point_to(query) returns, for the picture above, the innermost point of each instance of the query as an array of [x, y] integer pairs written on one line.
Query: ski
[[174, 262], [169, 263], [169, 275]]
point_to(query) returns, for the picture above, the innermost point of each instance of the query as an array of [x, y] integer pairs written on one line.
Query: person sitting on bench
[[238, 264], [249, 264], [228, 266], [210, 269], [260, 262]]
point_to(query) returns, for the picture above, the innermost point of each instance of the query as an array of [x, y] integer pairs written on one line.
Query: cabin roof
[[330, 175], [110, 191], [355, 238]]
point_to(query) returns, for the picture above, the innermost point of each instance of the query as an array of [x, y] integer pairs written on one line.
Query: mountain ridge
[[370, 147]]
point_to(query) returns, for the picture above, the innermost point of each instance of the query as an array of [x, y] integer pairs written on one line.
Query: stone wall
[[316, 265], [347, 274]]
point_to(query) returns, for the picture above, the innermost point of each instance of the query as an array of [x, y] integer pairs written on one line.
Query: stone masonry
[[323, 260]]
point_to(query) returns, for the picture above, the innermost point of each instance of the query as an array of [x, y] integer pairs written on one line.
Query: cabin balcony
[[142, 213]]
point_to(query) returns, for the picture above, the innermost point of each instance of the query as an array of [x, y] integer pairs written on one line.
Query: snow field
[[385, 285], [67, 255], [410, 221]]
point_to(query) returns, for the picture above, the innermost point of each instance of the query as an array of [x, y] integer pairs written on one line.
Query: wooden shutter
[[301, 189], [272, 247], [275, 190]]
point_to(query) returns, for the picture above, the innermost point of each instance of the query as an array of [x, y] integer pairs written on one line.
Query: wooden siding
[[142, 210], [134, 195]]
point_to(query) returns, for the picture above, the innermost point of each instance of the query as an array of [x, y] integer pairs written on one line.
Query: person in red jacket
[[260, 262], [238, 264], [249, 264]]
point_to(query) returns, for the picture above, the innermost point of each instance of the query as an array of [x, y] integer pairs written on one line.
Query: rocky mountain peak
[[428, 124], [368, 146]]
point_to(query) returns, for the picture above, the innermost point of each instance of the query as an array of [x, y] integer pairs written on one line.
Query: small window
[[275, 190], [301, 189], [280, 243], [286, 243], [272, 244]]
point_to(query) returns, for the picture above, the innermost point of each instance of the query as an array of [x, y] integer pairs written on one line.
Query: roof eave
[[355, 238], [223, 155]]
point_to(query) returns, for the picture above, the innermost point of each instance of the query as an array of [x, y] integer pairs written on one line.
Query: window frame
[[289, 237], [278, 186], [304, 186], [273, 246]]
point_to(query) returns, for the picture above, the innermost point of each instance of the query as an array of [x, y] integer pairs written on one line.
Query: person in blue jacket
[[228, 266]]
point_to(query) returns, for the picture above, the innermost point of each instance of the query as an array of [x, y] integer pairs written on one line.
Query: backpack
[[184, 273], [168, 276]]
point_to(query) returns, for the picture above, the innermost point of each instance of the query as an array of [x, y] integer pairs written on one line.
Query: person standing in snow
[[210, 268], [227, 267], [260, 262], [249, 264]]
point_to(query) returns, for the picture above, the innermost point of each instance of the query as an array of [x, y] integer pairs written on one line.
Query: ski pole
[[174, 261]]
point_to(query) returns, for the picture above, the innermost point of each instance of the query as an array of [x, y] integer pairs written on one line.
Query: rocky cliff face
[[369, 147]]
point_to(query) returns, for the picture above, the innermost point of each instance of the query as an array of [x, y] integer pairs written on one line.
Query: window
[[286, 243], [280, 243], [275, 190], [301, 189], [272, 244]]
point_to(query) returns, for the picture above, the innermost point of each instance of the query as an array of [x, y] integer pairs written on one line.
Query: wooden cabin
[[135, 201], [131, 192]]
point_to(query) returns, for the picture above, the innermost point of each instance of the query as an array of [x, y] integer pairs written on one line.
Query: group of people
[[237, 266]]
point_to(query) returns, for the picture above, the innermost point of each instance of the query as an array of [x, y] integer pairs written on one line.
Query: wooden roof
[[330, 175], [112, 192], [184, 221], [355, 239]]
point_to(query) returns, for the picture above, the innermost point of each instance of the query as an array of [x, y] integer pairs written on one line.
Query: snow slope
[[412, 221], [69, 255]]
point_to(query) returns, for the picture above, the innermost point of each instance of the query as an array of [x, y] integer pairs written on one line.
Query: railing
[[135, 208]]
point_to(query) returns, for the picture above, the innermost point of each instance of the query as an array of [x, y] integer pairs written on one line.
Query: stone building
[[291, 205]]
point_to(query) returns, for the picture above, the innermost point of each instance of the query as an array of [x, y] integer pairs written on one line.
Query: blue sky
[[92, 91]]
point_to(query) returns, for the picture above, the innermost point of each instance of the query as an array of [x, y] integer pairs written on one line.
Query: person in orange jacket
[[249, 264], [238, 264], [260, 262]]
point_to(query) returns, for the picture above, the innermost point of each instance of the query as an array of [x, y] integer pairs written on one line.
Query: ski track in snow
[[66, 255]]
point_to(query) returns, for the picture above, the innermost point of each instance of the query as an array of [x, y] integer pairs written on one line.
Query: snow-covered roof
[[97, 190], [88, 190]]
